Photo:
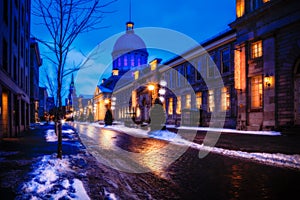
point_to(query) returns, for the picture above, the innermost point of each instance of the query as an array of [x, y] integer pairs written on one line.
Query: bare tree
[[65, 20]]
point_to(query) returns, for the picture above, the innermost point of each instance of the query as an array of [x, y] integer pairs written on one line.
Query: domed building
[[129, 52]]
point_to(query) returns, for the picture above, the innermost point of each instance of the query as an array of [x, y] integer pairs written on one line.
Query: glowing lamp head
[[106, 101], [151, 87]]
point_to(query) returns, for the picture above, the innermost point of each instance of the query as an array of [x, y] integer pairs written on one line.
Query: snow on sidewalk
[[54, 178], [51, 179]]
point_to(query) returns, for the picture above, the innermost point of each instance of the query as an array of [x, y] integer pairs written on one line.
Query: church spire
[[129, 24], [72, 80]]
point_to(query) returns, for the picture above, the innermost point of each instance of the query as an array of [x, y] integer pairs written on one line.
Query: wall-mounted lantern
[[268, 80]]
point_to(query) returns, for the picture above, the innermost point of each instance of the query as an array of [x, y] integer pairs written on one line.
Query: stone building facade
[[14, 67], [267, 53], [209, 71]]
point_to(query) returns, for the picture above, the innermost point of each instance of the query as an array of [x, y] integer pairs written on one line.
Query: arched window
[[119, 62], [139, 61], [125, 60], [132, 60]]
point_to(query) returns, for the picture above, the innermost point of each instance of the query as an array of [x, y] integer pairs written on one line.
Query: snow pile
[[273, 159], [141, 132], [51, 136], [68, 135], [109, 196], [164, 135], [227, 130], [51, 180]]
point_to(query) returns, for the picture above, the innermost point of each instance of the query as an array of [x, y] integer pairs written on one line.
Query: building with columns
[[257, 60], [129, 52]]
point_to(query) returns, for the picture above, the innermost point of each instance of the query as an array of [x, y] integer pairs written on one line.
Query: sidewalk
[[28, 165]]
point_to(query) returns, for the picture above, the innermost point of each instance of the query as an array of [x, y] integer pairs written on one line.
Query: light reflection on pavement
[[127, 153]]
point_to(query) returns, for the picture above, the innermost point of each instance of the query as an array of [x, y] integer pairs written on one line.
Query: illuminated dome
[[129, 51], [128, 41]]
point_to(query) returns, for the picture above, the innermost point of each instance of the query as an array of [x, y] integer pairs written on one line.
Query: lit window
[[132, 60], [225, 61], [136, 75], [153, 64], [211, 101], [139, 62], [125, 61], [178, 106], [115, 72], [170, 108], [199, 100], [188, 101], [265, 1], [133, 98], [138, 112], [256, 92], [240, 8], [225, 99], [119, 62], [256, 49]]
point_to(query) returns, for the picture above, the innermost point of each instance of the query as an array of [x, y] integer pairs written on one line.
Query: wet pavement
[[189, 177]]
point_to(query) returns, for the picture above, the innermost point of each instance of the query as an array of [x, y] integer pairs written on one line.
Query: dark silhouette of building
[[14, 67], [43, 103], [72, 100], [35, 63]]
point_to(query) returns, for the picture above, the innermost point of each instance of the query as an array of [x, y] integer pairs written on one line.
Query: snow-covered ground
[[54, 178], [275, 159], [51, 180], [227, 130]]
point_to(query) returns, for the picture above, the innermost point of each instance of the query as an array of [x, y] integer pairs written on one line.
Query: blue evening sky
[[198, 19]]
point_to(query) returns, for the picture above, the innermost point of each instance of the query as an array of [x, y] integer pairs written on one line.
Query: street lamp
[[151, 88], [163, 83], [162, 91], [106, 101]]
